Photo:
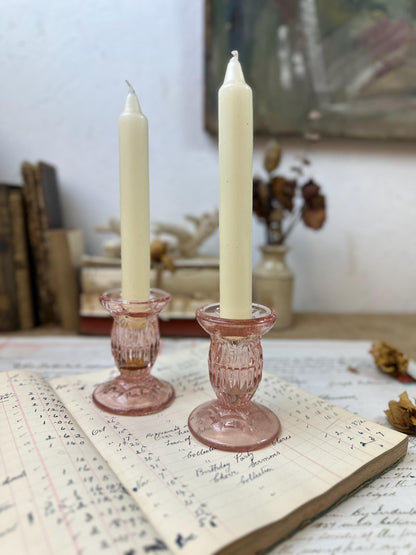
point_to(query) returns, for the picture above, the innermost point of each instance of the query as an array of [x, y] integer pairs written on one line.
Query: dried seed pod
[[402, 414], [352, 369], [272, 156], [284, 191], [389, 359], [158, 251], [168, 262]]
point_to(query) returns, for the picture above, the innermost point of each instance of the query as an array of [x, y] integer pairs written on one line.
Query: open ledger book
[[78, 480]]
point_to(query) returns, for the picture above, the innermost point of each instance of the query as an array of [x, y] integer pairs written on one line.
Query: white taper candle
[[235, 143], [134, 201]]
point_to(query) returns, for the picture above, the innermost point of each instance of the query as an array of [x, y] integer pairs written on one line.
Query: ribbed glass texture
[[235, 368]]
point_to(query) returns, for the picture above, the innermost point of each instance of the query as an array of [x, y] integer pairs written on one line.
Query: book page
[[201, 499], [57, 493], [380, 518]]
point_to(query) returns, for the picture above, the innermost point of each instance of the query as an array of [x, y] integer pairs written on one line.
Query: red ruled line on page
[[6, 416], [45, 469], [84, 485]]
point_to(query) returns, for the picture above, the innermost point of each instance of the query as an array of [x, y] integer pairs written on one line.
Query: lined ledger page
[[379, 519], [57, 493], [200, 499]]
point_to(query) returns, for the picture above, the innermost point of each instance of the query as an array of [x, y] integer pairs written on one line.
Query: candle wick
[[130, 86], [235, 54]]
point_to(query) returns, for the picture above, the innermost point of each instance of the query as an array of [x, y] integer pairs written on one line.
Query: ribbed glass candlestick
[[233, 422], [135, 339]]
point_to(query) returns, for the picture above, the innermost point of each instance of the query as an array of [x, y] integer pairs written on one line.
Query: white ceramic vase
[[273, 283]]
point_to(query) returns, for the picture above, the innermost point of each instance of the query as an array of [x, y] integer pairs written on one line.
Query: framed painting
[[337, 68]]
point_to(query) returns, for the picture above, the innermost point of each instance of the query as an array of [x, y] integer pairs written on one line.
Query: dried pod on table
[[389, 359], [402, 414]]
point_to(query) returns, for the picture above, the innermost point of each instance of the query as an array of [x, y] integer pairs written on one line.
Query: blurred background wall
[[62, 89]]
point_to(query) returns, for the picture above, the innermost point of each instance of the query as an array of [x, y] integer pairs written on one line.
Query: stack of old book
[[193, 283], [38, 256]]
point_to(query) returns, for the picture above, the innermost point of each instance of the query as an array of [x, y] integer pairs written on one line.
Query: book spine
[[47, 191], [9, 319], [22, 268], [64, 278], [90, 305], [192, 282], [97, 280], [43, 293], [94, 260]]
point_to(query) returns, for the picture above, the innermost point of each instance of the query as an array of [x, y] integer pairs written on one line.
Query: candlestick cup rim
[[115, 304], [262, 320]]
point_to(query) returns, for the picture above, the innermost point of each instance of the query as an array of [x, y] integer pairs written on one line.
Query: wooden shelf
[[397, 329]]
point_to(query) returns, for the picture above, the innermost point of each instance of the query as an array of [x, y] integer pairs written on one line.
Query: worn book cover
[[21, 259], [64, 276], [41, 196], [9, 317]]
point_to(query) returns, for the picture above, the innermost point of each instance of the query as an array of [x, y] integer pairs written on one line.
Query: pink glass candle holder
[[135, 342], [233, 422]]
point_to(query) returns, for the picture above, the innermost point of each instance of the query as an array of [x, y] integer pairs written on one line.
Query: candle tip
[[130, 86], [235, 54]]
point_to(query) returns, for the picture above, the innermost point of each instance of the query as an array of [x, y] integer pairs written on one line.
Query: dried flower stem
[[292, 224]]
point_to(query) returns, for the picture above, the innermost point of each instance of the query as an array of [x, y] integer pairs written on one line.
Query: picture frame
[[334, 68]]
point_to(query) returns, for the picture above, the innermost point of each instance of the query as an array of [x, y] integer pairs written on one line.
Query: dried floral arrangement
[[281, 201]]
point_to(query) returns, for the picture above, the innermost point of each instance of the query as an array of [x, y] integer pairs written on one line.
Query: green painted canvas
[[338, 68]]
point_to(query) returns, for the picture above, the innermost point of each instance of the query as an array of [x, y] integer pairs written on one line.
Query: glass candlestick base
[[233, 422], [135, 342]]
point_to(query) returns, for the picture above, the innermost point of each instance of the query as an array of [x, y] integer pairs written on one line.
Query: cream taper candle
[[134, 201], [235, 144]]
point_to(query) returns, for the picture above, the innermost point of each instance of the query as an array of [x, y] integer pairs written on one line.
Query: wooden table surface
[[397, 329]]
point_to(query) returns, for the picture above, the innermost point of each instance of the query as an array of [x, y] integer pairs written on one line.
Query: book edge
[[266, 537]]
